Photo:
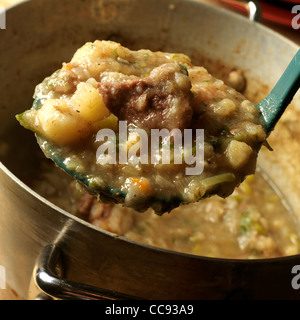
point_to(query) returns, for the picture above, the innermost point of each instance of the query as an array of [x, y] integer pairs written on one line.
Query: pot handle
[[47, 276], [251, 6]]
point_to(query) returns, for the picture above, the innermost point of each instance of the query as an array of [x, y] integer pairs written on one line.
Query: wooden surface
[[288, 32]]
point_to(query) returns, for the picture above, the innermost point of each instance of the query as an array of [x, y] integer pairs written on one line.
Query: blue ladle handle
[[275, 103]]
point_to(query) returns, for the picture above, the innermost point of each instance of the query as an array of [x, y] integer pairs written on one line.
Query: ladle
[[275, 103]]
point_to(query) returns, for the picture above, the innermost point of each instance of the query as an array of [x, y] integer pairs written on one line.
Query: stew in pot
[[253, 222]]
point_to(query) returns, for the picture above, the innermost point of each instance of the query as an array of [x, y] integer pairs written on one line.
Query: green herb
[[245, 223], [259, 228], [141, 229], [240, 136], [194, 94], [203, 104], [217, 99], [183, 69], [115, 52], [224, 131], [217, 144]]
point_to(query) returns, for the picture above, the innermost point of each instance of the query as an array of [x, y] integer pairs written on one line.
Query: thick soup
[[253, 222], [149, 127]]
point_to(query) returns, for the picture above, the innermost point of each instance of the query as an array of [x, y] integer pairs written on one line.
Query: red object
[[270, 12], [292, 1]]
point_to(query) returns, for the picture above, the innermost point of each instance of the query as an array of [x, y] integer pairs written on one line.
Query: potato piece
[[88, 50], [225, 107], [57, 123], [97, 50], [88, 103], [255, 131], [238, 153], [236, 79]]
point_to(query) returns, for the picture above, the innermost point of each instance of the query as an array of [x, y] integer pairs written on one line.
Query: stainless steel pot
[[44, 248]]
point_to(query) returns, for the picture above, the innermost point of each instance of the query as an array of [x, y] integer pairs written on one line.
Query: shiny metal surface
[[48, 277], [40, 35], [253, 7]]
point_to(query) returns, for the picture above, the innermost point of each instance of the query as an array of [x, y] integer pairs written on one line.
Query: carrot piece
[[142, 184], [68, 66]]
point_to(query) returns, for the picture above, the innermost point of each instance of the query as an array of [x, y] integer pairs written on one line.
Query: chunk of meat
[[85, 203], [113, 218], [161, 100]]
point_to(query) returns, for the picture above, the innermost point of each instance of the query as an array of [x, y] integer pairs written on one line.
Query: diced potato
[[225, 107], [68, 121], [237, 80], [238, 153], [88, 103], [88, 50], [58, 124], [255, 131], [249, 107], [97, 50]]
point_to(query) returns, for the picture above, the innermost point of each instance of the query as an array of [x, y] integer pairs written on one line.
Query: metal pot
[[44, 248]]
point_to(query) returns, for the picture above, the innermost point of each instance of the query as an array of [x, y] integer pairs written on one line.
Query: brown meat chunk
[[113, 218], [161, 100], [85, 203]]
